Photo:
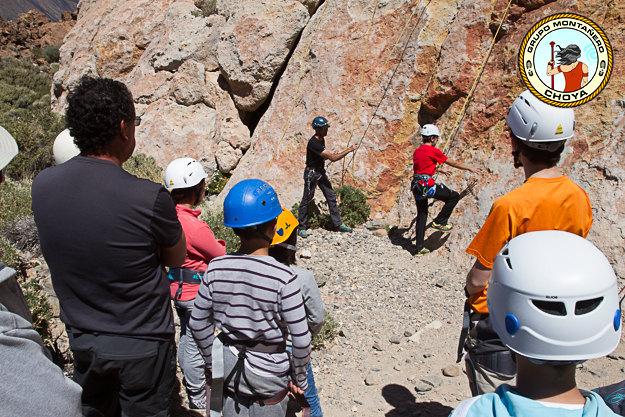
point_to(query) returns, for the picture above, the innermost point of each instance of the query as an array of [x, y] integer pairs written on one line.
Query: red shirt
[[426, 158], [202, 247]]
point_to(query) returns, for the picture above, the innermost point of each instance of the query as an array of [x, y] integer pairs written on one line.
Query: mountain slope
[[10, 9]]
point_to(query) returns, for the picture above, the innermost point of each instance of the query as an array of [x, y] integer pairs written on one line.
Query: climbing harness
[[454, 130], [219, 383], [421, 187], [184, 276]]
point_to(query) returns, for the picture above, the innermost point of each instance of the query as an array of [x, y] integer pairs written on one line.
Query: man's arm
[[337, 156], [174, 256], [460, 165], [477, 278]]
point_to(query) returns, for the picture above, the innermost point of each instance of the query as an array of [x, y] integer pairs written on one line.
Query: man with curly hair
[[106, 236]]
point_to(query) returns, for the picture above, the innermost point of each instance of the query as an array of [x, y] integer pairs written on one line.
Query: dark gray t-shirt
[[100, 230], [313, 150]]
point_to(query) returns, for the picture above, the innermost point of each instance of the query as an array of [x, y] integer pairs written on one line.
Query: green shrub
[[352, 206], [15, 201], [144, 166], [40, 307], [327, 334], [25, 113], [51, 54], [215, 220], [217, 183], [207, 8]]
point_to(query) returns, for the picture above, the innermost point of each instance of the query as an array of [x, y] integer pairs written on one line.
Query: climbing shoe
[[302, 233], [343, 228], [441, 227], [197, 404], [422, 252]]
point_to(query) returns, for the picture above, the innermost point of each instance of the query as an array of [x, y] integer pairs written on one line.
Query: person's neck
[[108, 157], [547, 383], [254, 247], [540, 171]]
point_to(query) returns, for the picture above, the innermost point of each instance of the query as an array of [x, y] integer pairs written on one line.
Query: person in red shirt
[[186, 180], [427, 158]]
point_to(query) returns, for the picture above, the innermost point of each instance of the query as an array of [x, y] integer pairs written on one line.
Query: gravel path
[[400, 318]]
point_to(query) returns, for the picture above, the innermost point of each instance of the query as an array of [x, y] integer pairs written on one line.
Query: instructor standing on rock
[[315, 175]]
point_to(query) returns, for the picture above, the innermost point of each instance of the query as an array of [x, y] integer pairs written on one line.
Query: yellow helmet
[[287, 223]]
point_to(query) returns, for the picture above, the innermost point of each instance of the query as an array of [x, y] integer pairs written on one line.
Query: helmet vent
[[554, 308], [586, 306], [504, 253], [264, 203]]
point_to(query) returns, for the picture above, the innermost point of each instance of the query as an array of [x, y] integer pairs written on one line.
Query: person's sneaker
[[197, 404], [343, 228], [441, 227], [422, 252], [302, 233]]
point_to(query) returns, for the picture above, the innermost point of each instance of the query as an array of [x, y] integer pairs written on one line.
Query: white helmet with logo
[[64, 147], [538, 124], [184, 173], [430, 130], [552, 296]]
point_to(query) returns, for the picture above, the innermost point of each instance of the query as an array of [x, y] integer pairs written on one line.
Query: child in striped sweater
[[255, 301]]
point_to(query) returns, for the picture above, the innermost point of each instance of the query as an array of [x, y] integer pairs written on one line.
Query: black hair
[[254, 232], [428, 139], [568, 55], [539, 156], [283, 254], [96, 106], [180, 194]]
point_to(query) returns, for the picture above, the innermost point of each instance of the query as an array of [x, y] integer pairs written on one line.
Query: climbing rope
[[390, 79], [299, 81], [454, 130]]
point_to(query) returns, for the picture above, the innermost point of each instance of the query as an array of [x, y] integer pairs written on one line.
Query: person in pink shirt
[[185, 178]]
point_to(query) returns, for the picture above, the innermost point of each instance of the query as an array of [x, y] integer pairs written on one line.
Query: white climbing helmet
[[552, 296], [8, 148], [64, 147], [538, 124], [184, 173], [430, 130]]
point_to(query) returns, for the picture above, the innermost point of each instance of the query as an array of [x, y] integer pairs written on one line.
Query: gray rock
[[305, 254], [395, 340], [377, 347], [423, 388], [373, 379], [433, 380]]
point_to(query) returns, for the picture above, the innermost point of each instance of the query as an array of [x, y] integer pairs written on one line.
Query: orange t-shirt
[[538, 204]]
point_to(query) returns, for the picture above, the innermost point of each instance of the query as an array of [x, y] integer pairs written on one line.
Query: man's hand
[[352, 148], [295, 389], [475, 170]]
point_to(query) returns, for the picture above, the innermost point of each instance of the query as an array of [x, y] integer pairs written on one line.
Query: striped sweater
[[253, 298]]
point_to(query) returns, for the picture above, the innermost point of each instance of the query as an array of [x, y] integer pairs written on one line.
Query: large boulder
[[256, 42]]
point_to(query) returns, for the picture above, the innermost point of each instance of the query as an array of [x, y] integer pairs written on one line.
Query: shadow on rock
[[433, 242], [406, 405]]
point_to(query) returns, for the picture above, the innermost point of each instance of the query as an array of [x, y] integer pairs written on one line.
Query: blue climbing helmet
[[319, 122], [250, 203]]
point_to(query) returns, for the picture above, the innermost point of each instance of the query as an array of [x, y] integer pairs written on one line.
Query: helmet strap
[[517, 161]]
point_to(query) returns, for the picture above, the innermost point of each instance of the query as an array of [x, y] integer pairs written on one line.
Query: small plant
[[327, 334], [215, 220], [51, 54], [207, 8], [144, 166], [353, 205], [40, 307], [217, 183]]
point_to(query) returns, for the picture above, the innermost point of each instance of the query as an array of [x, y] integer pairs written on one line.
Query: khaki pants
[[482, 378]]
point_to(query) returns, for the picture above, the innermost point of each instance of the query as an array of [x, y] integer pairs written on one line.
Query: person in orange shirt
[[547, 200]]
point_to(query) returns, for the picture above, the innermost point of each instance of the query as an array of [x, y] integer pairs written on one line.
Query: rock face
[[203, 83]]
